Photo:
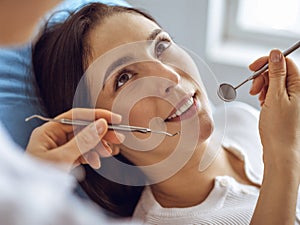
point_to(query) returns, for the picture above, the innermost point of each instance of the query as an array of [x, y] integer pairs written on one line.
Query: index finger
[[259, 63], [56, 129]]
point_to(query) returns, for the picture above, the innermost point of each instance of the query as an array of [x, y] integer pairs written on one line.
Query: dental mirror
[[227, 92]]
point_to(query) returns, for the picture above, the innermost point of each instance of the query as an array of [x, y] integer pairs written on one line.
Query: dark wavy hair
[[59, 59]]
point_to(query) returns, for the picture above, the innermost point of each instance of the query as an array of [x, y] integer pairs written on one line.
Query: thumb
[[277, 74], [85, 140]]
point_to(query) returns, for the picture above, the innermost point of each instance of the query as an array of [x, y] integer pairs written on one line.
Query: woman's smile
[[185, 109]]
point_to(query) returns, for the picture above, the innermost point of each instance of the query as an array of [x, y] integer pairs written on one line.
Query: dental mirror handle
[[266, 66]]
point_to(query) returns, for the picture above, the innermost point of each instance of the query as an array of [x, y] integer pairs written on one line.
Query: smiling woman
[[121, 60]]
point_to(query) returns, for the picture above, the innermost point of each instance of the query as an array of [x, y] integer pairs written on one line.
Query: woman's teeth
[[182, 109]]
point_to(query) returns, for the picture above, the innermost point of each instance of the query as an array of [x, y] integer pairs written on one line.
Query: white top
[[34, 193], [229, 202]]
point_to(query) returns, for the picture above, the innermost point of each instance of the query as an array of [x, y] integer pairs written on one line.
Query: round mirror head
[[227, 92]]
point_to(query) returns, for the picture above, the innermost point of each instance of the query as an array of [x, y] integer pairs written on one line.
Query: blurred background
[[228, 34]]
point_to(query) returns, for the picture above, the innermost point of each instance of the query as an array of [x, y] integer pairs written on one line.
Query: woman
[[98, 34]]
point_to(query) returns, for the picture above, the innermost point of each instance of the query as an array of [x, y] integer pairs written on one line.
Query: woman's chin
[[205, 120], [206, 128]]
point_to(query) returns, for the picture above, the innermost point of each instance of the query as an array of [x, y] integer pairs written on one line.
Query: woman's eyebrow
[[153, 34], [126, 59], [119, 62]]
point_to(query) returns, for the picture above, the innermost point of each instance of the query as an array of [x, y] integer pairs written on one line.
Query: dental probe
[[117, 127]]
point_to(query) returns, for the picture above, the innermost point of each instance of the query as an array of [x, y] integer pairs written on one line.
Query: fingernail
[[121, 137], [116, 118], [107, 147], [275, 56], [100, 126], [93, 162], [97, 165], [252, 87], [250, 66]]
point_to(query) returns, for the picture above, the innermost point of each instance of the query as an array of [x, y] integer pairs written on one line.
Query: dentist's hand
[[279, 128], [55, 142], [279, 125]]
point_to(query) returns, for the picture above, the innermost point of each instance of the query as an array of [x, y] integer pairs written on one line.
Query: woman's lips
[[185, 109]]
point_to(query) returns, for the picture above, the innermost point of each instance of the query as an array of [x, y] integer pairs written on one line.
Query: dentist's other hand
[[55, 142], [279, 125]]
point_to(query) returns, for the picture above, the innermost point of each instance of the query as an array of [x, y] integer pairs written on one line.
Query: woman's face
[[150, 92]]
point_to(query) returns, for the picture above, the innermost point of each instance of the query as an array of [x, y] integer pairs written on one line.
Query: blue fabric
[[17, 99]]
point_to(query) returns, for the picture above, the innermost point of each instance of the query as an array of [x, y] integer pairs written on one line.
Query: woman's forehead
[[119, 29]]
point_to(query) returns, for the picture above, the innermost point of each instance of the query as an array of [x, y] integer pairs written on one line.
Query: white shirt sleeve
[[34, 193]]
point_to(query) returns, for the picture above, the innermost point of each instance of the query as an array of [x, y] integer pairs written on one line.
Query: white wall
[[186, 21]]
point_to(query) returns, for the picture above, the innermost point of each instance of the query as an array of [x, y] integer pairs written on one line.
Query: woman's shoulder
[[237, 119]]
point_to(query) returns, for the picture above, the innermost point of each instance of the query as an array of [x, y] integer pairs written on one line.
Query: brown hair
[[59, 58]]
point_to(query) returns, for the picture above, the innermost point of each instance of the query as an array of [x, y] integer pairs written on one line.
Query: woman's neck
[[189, 186]]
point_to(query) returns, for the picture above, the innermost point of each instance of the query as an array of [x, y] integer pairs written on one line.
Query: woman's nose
[[170, 78]]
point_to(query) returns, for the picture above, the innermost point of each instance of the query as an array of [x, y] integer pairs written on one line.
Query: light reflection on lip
[[188, 113]]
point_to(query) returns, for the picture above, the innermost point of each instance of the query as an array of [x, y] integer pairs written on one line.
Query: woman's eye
[[161, 46], [122, 79]]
